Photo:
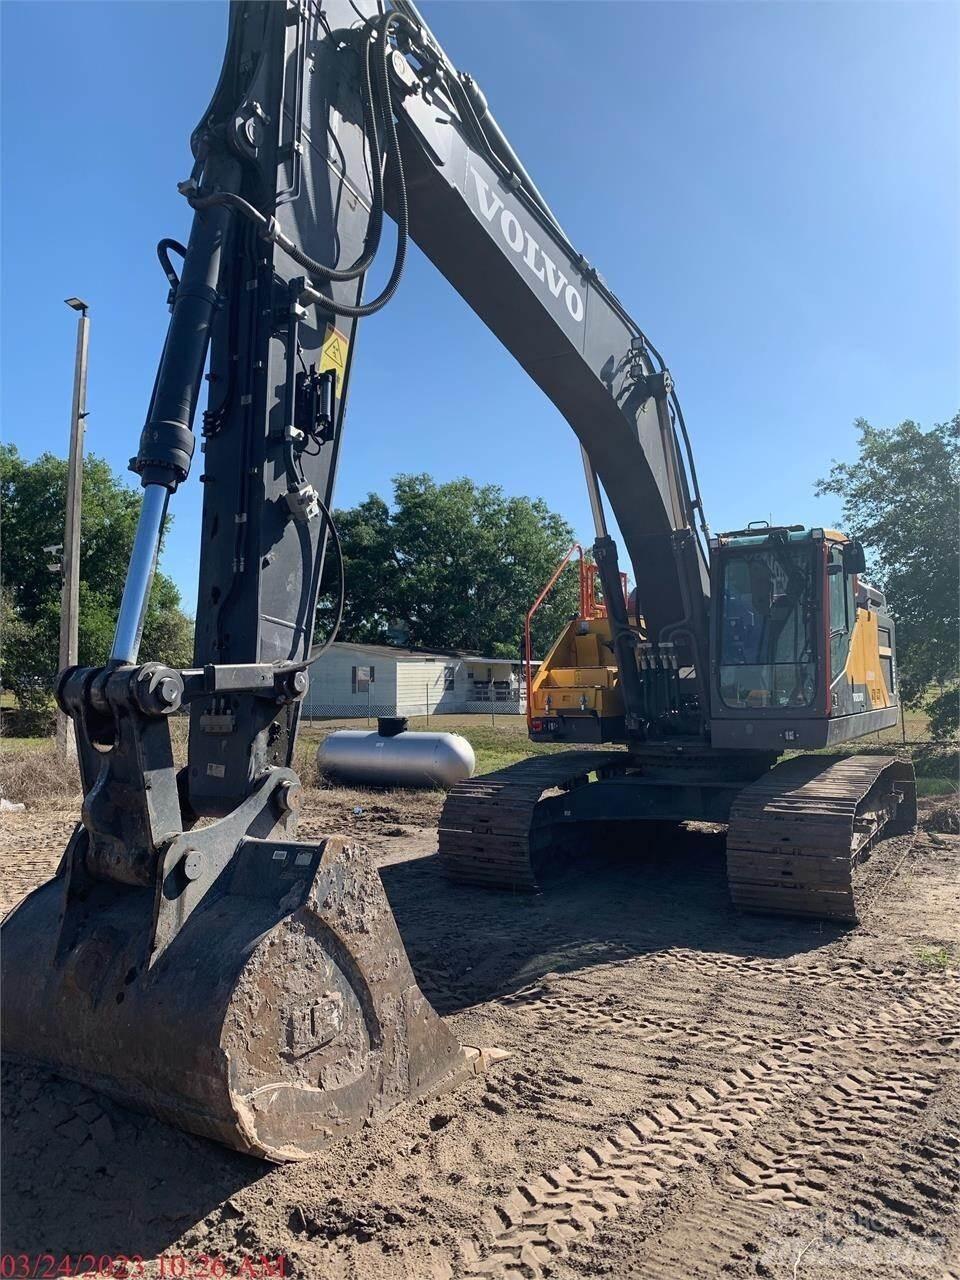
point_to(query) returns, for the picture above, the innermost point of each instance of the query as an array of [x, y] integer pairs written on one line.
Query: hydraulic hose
[[317, 651], [164, 249], [376, 100], [691, 465]]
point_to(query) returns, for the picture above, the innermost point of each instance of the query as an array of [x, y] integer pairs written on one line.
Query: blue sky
[[771, 189]]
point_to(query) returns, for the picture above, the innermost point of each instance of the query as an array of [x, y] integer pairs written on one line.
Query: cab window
[[842, 612], [768, 628]]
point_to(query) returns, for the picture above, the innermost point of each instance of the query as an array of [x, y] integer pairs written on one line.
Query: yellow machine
[[579, 676]]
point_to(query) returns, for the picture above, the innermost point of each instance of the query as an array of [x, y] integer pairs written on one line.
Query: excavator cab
[[802, 655], [803, 648]]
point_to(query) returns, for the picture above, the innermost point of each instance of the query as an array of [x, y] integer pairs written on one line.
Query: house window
[[362, 679], [449, 679]]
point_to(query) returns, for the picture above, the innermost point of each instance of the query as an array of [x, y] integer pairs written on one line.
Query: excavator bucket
[[277, 1014]]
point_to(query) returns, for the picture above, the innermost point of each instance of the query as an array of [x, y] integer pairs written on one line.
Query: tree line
[[33, 503], [456, 565], [901, 498], [450, 566]]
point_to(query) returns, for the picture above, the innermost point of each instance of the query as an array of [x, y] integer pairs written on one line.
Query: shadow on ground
[[81, 1175], [637, 889]]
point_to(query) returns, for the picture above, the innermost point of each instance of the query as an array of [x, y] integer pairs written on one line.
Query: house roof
[[400, 652]]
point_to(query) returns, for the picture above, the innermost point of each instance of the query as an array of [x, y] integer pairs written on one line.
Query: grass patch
[[495, 748], [937, 787], [17, 745], [937, 762], [32, 772], [30, 769], [935, 957]]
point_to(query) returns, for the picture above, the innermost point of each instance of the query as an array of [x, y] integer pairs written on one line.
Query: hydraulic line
[[691, 465], [269, 229], [164, 249], [317, 651]]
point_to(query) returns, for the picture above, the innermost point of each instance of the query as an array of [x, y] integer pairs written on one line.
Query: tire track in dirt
[[843, 973], [798, 1164], [645, 1156], [586, 1006], [799, 1193], [29, 859], [548, 1214], [626, 1018]]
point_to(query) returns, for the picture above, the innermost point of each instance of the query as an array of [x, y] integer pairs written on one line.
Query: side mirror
[[854, 560]]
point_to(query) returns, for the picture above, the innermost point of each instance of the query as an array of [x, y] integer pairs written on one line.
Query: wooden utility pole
[[70, 597]]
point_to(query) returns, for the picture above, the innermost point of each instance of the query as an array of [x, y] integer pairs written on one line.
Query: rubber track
[[487, 834], [797, 834]]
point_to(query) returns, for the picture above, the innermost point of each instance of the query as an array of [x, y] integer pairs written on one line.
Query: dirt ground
[[689, 1092]]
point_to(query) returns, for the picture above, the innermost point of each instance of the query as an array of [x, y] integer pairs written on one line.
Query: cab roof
[[759, 532]]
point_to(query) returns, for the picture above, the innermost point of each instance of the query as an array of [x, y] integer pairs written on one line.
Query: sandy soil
[[689, 1092]]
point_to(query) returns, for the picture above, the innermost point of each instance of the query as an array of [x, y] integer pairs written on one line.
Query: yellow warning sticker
[[333, 354]]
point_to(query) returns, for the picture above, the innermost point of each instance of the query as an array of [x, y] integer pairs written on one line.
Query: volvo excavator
[[191, 957]]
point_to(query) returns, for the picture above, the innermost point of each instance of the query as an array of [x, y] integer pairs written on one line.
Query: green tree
[[33, 498], [900, 498], [456, 565]]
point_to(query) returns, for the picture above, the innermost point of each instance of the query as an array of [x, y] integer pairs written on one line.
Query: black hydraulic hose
[[164, 249], [396, 161], [371, 107], [268, 226], [692, 468], [317, 651]]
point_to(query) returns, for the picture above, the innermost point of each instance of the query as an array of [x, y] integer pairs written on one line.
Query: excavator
[[191, 957]]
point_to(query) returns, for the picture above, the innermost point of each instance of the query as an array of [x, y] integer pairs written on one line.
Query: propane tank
[[394, 757]]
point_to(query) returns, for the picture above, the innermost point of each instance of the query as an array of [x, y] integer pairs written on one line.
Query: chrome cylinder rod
[[143, 564]]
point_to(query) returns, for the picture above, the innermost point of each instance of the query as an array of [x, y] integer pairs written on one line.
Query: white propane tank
[[398, 759]]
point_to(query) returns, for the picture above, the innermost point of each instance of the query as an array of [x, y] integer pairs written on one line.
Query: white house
[[387, 680]]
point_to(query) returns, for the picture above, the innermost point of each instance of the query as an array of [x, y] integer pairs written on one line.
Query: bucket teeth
[[283, 1014]]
